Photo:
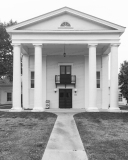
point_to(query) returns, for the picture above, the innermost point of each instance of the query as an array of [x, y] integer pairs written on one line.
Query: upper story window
[[32, 79], [65, 70], [65, 24], [98, 79]]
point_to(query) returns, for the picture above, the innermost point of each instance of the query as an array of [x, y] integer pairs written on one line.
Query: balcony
[[65, 79]]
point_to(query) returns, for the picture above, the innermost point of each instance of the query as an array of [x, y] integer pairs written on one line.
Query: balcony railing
[[65, 79]]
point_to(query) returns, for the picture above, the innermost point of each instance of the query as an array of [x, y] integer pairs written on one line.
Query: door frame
[[72, 95]]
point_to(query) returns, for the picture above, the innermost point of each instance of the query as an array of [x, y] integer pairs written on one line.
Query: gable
[[76, 23], [76, 20]]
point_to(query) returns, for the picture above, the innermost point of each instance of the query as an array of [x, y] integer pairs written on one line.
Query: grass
[[104, 135], [23, 135]]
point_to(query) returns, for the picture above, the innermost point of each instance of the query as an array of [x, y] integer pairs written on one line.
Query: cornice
[[66, 31]]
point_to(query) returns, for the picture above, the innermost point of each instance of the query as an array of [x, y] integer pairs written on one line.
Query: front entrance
[[65, 98]]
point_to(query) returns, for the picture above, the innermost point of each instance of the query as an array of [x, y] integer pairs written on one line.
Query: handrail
[[58, 79]]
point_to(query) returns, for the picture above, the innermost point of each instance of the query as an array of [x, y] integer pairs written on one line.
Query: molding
[[65, 31], [92, 45], [16, 44], [38, 44], [64, 64], [115, 44], [61, 41]]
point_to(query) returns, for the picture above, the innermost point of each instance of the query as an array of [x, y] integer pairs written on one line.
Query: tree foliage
[[6, 50], [123, 79]]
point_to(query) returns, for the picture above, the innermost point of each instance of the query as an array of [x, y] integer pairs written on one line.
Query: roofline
[[61, 10], [66, 31]]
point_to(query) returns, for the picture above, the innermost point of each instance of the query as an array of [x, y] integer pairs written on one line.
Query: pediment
[[65, 19]]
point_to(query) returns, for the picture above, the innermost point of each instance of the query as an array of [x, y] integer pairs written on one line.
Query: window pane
[[32, 83], [98, 83], [68, 95], [98, 75], [62, 69], [61, 95], [9, 96], [32, 75], [68, 69]]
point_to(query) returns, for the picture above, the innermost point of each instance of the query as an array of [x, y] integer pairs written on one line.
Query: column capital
[[92, 44], [16, 44], [38, 44], [114, 44]]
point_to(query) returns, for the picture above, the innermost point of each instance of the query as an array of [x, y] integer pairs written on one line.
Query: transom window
[[32, 79], [9, 96], [65, 69], [65, 24], [98, 79]]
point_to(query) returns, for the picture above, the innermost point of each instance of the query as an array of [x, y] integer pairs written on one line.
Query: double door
[[65, 98]]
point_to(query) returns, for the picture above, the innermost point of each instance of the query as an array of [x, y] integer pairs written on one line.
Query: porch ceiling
[[70, 49]]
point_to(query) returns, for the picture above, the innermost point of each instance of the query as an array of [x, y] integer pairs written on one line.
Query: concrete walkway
[[65, 142]]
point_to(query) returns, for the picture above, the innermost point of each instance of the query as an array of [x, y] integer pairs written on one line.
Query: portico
[[87, 47]]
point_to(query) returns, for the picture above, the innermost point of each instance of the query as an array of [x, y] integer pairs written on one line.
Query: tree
[[6, 51], [123, 79]]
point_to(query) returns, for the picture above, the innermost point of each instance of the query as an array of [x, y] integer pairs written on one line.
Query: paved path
[[65, 142]]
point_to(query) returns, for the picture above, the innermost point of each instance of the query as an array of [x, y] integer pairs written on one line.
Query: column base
[[114, 110], [92, 109], [103, 110], [15, 109], [38, 110]]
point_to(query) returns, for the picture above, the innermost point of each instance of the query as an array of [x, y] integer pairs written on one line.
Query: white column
[[114, 78], [38, 91], [92, 78], [105, 96], [25, 81], [44, 80], [86, 73], [16, 77]]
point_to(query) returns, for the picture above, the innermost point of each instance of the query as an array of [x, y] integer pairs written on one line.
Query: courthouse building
[[65, 60]]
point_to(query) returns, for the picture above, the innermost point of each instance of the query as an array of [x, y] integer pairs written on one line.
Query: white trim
[[65, 64], [65, 31], [61, 41]]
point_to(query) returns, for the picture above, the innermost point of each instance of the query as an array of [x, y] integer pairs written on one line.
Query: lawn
[[23, 135], [104, 135]]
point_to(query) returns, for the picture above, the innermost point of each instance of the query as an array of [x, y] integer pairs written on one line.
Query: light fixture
[[75, 90], [64, 54], [55, 90]]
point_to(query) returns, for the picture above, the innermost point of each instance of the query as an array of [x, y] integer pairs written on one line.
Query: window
[[65, 24], [98, 79], [9, 96], [32, 79], [65, 70], [120, 98]]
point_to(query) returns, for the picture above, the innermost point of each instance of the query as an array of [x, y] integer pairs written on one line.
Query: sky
[[115, 11]]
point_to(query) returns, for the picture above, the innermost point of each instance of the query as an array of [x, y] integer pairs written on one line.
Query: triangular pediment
[[65, 19]]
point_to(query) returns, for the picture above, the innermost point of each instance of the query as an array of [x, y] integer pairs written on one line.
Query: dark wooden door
[[65, 98]]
